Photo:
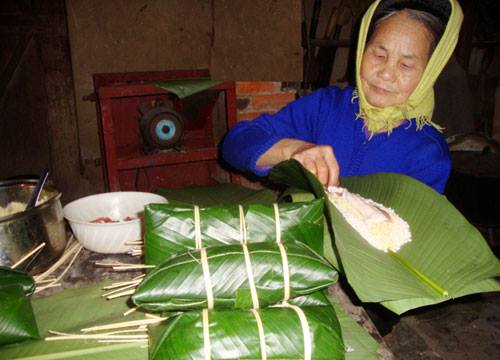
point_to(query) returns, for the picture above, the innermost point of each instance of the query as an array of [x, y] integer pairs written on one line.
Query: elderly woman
[[382, 125]]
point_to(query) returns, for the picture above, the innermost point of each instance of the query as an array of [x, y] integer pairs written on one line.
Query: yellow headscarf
[[420, 104]]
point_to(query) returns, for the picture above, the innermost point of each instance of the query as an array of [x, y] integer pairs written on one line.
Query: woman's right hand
[[318, 159], [321, 161]]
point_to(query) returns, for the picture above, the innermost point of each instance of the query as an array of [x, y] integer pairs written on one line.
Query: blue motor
[[161, 126]]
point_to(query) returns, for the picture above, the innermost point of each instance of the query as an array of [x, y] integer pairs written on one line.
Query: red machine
[[150, 138]]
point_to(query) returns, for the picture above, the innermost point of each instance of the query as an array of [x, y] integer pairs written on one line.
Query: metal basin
[[22, 232]]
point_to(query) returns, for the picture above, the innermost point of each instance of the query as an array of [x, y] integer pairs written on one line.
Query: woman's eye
[[406, 66]]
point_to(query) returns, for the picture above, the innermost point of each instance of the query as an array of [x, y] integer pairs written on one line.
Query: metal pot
[[23, 231]]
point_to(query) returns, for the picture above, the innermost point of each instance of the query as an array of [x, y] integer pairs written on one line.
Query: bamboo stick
[[121, 284], [53, 332], [123, 293], [28, 255], [78, 249], [123, 266], [67, 253], [96, 337], [128, 312], [125, 324], [133, 286], [135, 252], [136, 242], [48, 280], [121, 341], [152, 316], [133, 267], [112, 264], [48, 286], [139, 329]]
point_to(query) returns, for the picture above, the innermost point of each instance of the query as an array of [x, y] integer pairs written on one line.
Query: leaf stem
[[425, 278]]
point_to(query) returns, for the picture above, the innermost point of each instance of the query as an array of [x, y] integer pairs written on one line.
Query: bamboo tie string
[[277, 222], [262, 337], [248, 263], [243, 225], [284, 256], [203, 257], [197, 227], [206, 277], [286, 273], [251, 282], [305, 330], [206, 334]]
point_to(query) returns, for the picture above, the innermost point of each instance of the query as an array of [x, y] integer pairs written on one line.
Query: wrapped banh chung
[[380, 226], [171, 228], [17, 321], [286, 332], [10, 276], [234, 276]]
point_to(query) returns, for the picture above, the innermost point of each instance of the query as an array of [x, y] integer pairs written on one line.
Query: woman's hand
[[318, 159], [321, 161]]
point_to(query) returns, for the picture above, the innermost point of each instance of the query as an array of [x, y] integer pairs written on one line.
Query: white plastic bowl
[[110, 238]]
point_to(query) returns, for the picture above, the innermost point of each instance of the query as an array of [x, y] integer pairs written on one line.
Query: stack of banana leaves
[[17, 321], [239, 282], [446, 258]]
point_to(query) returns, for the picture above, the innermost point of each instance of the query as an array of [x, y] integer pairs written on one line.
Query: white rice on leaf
[[380, 226]]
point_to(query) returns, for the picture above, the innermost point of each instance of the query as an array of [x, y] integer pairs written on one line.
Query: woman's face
[[394, 60]]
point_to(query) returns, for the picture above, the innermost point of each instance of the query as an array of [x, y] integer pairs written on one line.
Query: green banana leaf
[[73, 309], [447, 257], [317, 298], [327, 251], [171, 228], [357, 343], [400, 306], [10, 276], [217, 195], [179, 284], [69, 311], [236, 333], [186, 87], [17, 321]]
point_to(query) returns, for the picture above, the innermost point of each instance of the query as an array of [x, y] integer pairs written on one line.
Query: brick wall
[[256, 98]]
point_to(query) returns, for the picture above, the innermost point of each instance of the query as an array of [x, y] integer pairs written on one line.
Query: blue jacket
[[328, 117]]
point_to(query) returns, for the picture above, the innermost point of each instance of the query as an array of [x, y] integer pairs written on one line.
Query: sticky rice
[[380, 226], [12, 208]]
